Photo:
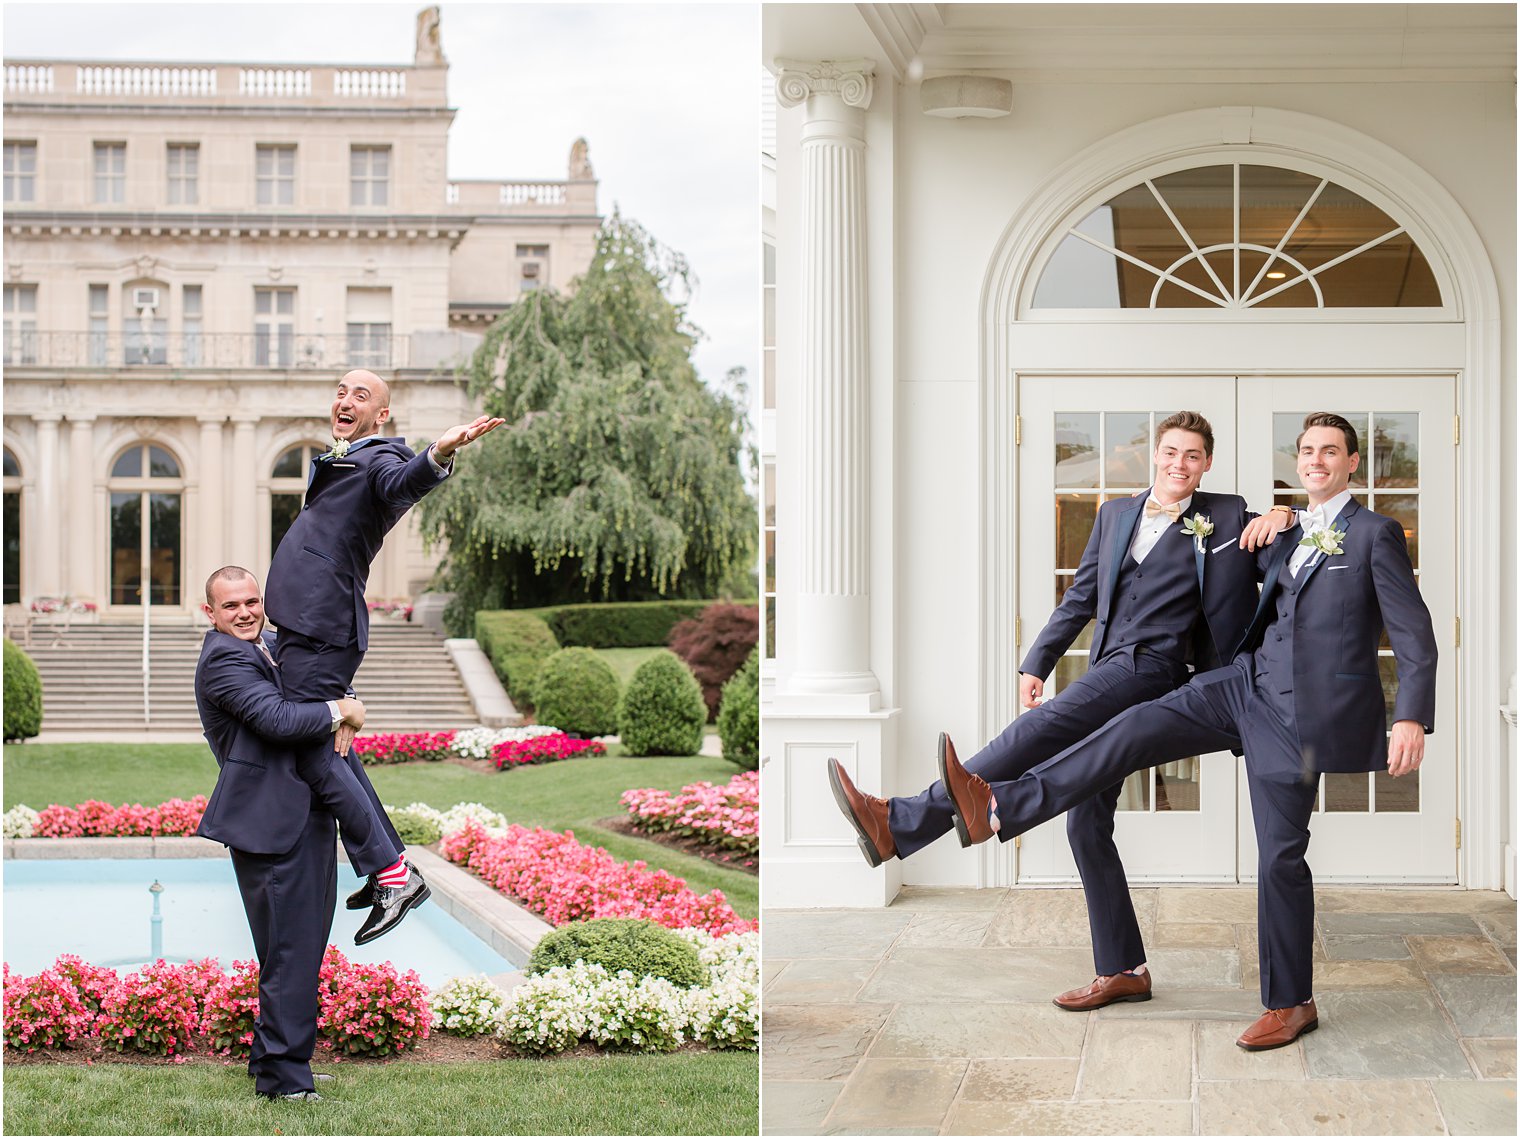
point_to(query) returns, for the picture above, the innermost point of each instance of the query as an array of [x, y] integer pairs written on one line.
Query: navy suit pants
[[1215, 711], [314, 670], [289, 899], [1117, 682]]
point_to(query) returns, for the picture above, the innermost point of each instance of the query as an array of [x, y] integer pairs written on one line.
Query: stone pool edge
[[492, 917]]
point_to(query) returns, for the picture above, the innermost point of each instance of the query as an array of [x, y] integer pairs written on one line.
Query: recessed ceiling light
[[1276, 276]]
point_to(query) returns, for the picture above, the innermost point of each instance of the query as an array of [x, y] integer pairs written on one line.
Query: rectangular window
[[532, 267], [274, 328], [184, 174], [768, 525], [768, 341], [369, 328], [21, 172], [275, 175], [192, 324], [20, 324], [369, 175], [12, 544], [110, 173], [100, 324]]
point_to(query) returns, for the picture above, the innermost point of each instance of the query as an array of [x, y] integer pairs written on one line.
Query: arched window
[[1237, 236], [12, 568], [145, 484], [287, 488]]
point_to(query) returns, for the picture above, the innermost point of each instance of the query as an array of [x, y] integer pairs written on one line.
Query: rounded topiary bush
[[643, 947], [739, 715], [662, 712], [577, 692], [23, 694], [415, 829]]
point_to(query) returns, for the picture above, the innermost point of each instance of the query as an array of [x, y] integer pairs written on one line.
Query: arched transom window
[[1237, 236]]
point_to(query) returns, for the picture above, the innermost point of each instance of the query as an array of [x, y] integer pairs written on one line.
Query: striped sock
[[393, 876]]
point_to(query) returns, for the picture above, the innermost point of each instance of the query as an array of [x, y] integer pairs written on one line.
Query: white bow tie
[[1313, 519]]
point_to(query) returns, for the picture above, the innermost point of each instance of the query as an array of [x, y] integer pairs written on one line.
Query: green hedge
[[640, 946], [739, 715], [617, 624], [661, 711], [517, 643], [23, 694], [577, 692]]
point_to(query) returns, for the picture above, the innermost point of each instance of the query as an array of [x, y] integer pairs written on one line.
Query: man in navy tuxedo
[[1169, 584], [280, 838], [1307, 698], [357, 492]]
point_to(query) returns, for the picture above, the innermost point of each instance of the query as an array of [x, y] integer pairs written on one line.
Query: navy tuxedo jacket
[[1344, 602], [1227, 574], [317, 578], [260, 804]]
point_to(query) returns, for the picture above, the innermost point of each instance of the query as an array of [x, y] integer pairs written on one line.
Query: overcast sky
[[666, 95]]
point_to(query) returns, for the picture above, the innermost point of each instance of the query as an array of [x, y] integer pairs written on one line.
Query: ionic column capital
[[851, 80]]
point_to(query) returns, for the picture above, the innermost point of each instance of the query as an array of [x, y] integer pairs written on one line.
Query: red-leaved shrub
[[715, 646]]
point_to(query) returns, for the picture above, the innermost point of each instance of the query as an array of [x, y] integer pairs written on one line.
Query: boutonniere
[[338, 449], [1327, 542], [1199, 527]]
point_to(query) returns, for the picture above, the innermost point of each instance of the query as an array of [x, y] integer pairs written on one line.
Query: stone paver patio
[[933, 1017]]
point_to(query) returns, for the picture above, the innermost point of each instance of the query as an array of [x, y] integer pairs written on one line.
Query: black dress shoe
[[363, 897], [391, 905]]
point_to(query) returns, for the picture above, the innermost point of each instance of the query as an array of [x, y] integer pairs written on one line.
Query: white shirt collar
[[1332, 509]]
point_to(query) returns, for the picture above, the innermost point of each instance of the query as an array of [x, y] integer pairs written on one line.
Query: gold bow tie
[[1153, 508]]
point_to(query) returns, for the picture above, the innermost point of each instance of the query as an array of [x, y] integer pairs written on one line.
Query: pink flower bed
[[96, 819], [565, 881], [169, 1010], [726, 817], [542, 749], [403, 747]]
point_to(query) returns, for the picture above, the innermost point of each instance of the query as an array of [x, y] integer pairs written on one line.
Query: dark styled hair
[[1330, 419], [226, 573], [1188, 421]]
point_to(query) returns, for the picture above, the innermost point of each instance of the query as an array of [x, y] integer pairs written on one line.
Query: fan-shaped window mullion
[[1224, 293], [1310, 274], [1282, 241]]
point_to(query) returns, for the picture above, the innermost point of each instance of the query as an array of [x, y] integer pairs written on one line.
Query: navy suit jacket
[[1226, 573], [1344, 603], [260, 804], [317, 577]]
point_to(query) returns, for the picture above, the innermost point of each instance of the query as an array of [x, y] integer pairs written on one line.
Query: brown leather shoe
[[1279, 1026], [1107, 990], [969, 793], [867, 814]]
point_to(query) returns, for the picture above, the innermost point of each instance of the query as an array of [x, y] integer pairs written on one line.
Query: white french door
[[1088, 439]]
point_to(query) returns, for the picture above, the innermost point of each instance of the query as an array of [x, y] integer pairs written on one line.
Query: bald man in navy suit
[[358, 491], [1169, 585], [1307, 698]]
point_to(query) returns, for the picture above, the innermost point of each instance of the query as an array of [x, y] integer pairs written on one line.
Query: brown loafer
[[1107, 990], [969, 794], [1279, 1026], [867, 814]]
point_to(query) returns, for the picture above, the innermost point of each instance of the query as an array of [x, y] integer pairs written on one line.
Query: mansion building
[[194, 253]]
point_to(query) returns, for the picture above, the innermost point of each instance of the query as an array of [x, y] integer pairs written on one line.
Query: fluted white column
[[49, 531], [211, 527], [83, 533], [832, 654], [243, 539]]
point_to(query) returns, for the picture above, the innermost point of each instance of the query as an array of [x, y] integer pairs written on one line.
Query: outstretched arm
[[457, 437]]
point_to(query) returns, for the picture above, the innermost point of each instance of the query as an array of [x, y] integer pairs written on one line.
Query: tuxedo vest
[[1155, 602], [1274, 656]]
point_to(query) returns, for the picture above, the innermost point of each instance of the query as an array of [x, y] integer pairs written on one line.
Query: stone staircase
[[93, 682]]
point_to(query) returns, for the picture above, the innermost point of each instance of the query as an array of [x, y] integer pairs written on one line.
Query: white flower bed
[[19, 821], [468, 1006], [455, 818], [556, 1009], [476, 743]]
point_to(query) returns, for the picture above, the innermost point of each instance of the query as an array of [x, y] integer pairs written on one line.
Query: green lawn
[[573, 793], [697, 1093], [624, 661]]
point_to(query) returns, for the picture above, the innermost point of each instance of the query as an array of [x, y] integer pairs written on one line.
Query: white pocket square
[[1332, 569], [1222, 545], [344, 466]]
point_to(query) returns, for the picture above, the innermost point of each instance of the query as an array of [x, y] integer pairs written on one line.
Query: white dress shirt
[[1149, 530], [1313, 520]]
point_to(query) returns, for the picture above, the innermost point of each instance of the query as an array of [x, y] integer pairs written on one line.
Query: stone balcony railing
[[224, 350], [85, 81]]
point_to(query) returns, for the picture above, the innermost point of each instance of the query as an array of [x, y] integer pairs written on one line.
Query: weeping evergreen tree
[[617, 475]]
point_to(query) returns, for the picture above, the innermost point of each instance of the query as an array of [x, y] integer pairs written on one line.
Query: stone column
[[243, 478], [84, 530], [212, 530], [832, 657], [48, 531]]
